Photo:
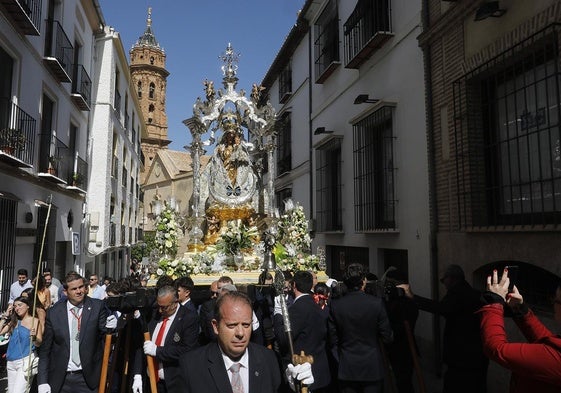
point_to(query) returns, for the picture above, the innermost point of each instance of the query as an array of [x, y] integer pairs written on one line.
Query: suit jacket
[[182, 336], [54, 353], [203, 370], [461, 340], [309, 334], [355, 322]]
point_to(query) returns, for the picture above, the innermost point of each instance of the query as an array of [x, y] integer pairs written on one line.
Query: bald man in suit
[[212, 368]]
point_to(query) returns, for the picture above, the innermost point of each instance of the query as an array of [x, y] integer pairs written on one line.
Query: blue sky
[[194, 33]]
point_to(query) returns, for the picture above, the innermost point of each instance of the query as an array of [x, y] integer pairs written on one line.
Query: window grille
[[285, 83], [374, 172], [507, 137], [367, 28], [284, 152], [326, 44], [329, 205]]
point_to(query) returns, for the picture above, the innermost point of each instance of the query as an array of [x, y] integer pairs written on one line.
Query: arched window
[[152, 60], [139, 89], [152, 88], [151, 108]]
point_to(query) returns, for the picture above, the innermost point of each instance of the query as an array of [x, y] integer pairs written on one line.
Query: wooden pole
[[412, 348], [151, 367], [105, 363]]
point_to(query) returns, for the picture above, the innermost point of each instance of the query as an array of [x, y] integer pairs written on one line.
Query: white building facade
[[348, 88], [47, 67], [114, 220]]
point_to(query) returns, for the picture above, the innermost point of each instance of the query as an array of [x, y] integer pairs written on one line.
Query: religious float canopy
[[233, 225]]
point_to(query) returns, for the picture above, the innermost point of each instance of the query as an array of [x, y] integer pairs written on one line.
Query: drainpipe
[[432, 189], [310, 133]]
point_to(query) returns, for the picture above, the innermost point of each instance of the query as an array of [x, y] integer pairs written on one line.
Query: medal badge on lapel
[[176, 337]]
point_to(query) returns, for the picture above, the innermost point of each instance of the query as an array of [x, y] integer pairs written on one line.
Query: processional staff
[[296, 358]]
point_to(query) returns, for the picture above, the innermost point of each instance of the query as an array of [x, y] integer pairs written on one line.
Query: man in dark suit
[[233, 363], [356, 322], [462, 350], [185, 287], [71, 353], [174, 331], [309, 330]]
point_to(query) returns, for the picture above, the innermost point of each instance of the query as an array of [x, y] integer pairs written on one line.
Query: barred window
[[509, 157], [285, 83], [284, 152], [374, 172], [367, 29], [326, 44], [329, 211]]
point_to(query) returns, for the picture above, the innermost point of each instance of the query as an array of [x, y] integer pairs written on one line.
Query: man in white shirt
[[53, 288], [96, 291], [19, 286]]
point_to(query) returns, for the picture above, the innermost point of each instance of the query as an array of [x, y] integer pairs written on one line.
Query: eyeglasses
[[93, 279]]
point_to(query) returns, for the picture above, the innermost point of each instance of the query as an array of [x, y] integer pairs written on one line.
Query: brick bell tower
[[149, 78]]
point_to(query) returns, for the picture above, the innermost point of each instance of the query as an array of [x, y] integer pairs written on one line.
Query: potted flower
[[12, 140], [77, 179], [53, 164]]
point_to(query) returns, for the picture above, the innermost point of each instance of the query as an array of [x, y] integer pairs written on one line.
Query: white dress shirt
[[244, 369]]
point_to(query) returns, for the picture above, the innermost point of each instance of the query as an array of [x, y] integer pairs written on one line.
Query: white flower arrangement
[[200, 263], [166, 232], [237, 237], [292, 249]]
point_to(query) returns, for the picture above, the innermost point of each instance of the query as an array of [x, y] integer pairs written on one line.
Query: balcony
[[366, 30], [81, 88], [17, 135], [78, 178], [112, 234], [25, 15], [58, 52], [117, 104], [54, 159]]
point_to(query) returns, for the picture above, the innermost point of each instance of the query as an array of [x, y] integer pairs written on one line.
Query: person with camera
[[466, 370], [357, 321], [536, 364]]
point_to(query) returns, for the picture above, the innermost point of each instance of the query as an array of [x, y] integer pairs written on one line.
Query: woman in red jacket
[[535, 365]]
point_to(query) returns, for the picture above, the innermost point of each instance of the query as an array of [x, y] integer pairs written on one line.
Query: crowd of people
[[356, 335]]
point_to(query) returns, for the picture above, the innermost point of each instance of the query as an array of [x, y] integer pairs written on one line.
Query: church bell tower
[[149, 78]]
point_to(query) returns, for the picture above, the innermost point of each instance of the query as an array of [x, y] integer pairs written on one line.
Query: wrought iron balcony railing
[[24, 14], [79, 175], [366, 30], [17, 134], [58, 51], [55, 160], [81, 88]]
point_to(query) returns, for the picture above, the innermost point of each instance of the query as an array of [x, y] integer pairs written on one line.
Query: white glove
[[278, 308], [301, 372], [44, 388], [137, 384], [111, 322], [150, 348], [136, 314]]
